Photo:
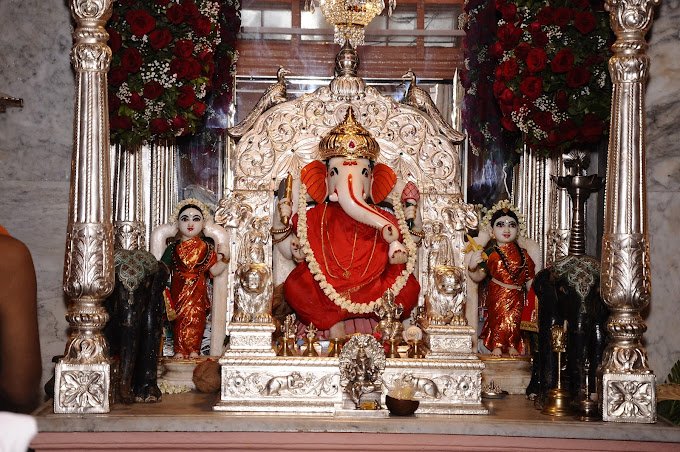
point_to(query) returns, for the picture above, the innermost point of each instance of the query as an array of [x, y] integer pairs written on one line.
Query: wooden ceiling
[[261, 57]]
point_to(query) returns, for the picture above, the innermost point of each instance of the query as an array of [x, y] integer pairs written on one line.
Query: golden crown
[[349, 139]]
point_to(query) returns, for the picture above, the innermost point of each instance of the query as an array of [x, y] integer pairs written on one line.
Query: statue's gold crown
[[349, 139]]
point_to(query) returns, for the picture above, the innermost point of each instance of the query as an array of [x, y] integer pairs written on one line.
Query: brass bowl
[[399, 407]]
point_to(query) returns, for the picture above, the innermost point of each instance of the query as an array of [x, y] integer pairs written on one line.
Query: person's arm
[[20, 361]]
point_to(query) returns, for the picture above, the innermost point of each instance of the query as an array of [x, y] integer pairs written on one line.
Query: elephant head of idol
[[349, 175]]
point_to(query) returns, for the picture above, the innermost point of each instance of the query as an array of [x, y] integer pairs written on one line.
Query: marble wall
[[36, 143]]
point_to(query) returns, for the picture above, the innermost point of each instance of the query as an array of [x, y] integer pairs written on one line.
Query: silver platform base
[[305, 385]]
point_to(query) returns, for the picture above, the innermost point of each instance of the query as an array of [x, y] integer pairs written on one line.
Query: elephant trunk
[[351, 199]]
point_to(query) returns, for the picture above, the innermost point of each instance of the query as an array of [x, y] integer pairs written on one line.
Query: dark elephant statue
[[135, 326], [569, 290]]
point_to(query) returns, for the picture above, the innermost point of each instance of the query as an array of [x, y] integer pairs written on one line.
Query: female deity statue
[[510, 267], [191, 260], [350, 251]]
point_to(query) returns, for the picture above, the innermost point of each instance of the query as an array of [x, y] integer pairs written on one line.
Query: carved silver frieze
[[81, 388], [626, 280], [88, 268], [629, 398], [128, 235]]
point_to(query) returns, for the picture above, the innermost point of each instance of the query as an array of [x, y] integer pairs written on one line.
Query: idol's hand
[[285, 208], [409, 211], [397, 253], [296, 249], [475, 260]]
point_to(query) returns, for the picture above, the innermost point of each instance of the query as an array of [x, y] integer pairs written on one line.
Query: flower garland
[[326, 287], [481, 116], [552, 82], [164, 65]]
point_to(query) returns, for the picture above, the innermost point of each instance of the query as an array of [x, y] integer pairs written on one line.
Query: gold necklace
[[346, 270]]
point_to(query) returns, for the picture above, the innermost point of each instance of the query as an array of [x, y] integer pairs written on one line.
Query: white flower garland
[[326, 287]]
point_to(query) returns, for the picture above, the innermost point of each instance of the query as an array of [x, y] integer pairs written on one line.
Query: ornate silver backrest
[[285, 137]]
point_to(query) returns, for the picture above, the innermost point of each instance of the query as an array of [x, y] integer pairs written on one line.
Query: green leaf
[[674, 376]]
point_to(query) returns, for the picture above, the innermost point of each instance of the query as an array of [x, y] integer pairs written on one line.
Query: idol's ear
[[313, 175], [383, 182]]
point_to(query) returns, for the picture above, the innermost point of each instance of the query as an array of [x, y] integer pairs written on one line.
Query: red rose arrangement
[[552, 82], [481, 117], [163, 66]]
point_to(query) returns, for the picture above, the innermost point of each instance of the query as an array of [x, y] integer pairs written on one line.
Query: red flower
[[498, 88], [117, 76], [592, 129], [545, 15], [205, 55], [522, 50], [536, 60], [115, 40], [584, 21], [509, 35], [496, 50], [563, 61], [544, 120], [507, 70], [160, 38], [508, 124], [562, 16], [192, 68], [120, 122], [562, 100], [114, 103], [153, 90], [540, 38], [178, 68], [175, 14], [507, 97], [534, 27], [131, 60], [188, 68], [180, 123], [568, 130], [187, 96], [202, 26], [159, 126], [531, 87], [508, 11], [199, 108], [136, 102], [183, 48], [553, 139], [190, 10], [577, 77], [141, 22]]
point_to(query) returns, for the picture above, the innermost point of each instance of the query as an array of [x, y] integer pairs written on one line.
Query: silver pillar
[[128, 217], [557, 239], [628, 391], [82, 377]]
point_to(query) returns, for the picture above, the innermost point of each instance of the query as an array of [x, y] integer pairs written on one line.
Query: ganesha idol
[[349, 251]]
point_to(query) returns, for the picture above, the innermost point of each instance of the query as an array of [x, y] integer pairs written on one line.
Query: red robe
[[504, 306], [353, 258], [191, 261]]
